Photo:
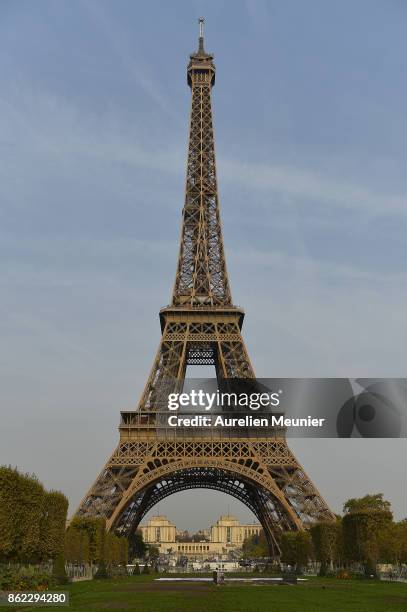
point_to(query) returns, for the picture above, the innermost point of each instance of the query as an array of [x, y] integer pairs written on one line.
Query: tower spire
[[201, 35]]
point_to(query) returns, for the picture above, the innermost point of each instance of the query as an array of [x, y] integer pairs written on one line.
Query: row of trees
[[365, 534], [32, 520], [86, 541], [33, 529]]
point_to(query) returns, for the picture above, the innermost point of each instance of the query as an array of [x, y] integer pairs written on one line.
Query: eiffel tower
[[201, 327]]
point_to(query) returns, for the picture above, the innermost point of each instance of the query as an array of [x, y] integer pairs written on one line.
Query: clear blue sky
[[311, 129]]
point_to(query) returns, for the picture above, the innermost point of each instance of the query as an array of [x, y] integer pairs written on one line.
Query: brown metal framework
[[201, 326]]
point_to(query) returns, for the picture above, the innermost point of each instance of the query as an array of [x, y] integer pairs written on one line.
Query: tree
[[8, 502], [303, 549], [124, 551], [138, 547], [28, 510], [296, 548], [153, 553], [117, 550], [112, 549], [402, 534], [326, 542], [58, 569], [77, 545], [72, 545], [96, 530], [102, 571], [365, 522], [371, 503], [52, 526], [392, 542], [32, 520], [87, 540], [255, 546], [289, 548]]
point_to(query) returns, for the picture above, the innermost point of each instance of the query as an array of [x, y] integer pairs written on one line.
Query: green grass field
[[143, 594]]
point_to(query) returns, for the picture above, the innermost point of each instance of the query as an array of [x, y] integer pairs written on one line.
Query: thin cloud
[[40, 122], [308, 186], [285, 262], [140, 72]]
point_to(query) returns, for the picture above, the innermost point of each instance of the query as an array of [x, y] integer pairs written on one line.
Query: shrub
[[343, 575], [102, 572], [25, 579], [58, 570]]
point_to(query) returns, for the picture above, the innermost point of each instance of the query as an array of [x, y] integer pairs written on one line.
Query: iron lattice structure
[[201, 326]]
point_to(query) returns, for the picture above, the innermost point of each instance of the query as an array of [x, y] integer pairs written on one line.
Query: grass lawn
[[141, 593]]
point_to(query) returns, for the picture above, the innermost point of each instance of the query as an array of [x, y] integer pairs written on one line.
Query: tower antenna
[[201, 21]]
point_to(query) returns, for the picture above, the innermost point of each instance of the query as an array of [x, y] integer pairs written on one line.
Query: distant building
[[225, 537], [160, 532], [227, 530]]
